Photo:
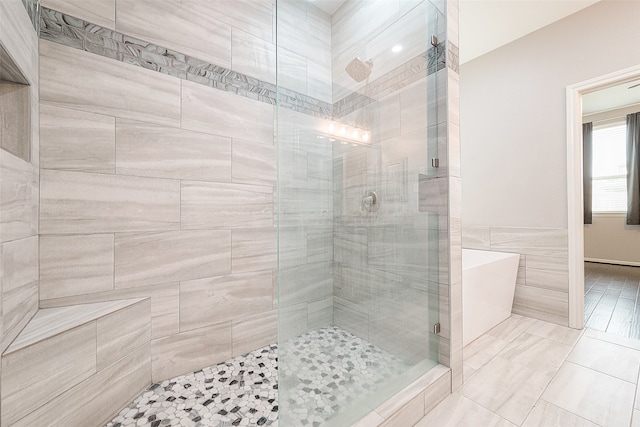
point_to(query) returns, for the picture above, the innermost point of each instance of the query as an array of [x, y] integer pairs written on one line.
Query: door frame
[[575, 205]]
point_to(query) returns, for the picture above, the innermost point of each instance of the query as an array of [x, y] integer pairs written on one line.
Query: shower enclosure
[[361, 204]]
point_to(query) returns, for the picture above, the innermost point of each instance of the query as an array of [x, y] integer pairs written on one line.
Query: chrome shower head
[[359, 69]]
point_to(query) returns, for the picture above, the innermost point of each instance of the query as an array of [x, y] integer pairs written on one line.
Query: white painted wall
[[609, 238], [513, 113]]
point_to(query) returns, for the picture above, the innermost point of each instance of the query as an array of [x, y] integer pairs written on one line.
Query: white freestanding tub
[[488, 287]]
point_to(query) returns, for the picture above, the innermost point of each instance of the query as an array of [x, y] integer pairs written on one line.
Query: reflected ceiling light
[[397, 48], [345, 133]]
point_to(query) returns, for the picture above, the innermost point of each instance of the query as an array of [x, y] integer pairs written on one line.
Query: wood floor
[[611, 300]]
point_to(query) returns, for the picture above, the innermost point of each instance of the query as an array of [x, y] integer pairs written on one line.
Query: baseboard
[[613, 261]]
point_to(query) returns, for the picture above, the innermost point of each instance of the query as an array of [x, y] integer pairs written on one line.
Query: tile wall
[[158, 168], [542, 287], [19, 174], [306, 224], [77, 365], [158, 171]]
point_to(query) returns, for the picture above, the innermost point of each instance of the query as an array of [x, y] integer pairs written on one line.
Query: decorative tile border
[[79, 34], [453, 57], [33, 10], [411, 71]]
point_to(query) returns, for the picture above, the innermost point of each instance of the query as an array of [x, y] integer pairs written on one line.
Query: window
[[610, 168]]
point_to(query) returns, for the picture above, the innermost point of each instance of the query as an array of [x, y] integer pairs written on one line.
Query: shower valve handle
[[370, 201]]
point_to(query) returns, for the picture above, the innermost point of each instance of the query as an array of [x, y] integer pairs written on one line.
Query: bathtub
[[488, 286]]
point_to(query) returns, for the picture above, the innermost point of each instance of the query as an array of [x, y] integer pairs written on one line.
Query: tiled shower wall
[[18, 170], [387, 262], [158, 166], [542, 286]]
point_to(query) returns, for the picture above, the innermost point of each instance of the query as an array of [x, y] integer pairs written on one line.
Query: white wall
[[513, 113], [609, 238]]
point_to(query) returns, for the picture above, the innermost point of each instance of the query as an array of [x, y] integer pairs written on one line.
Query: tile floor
[[242, 391], [526, 372], [611, 301], [324, 370]]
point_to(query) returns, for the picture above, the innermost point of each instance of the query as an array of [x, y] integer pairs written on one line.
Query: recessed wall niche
[[15, 128]]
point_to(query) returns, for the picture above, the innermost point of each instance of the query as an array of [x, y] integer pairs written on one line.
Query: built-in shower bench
[[87, 361]]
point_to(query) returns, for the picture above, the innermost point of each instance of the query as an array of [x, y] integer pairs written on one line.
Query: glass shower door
[[361, 199]]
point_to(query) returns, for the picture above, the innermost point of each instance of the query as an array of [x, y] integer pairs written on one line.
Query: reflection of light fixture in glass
[[397, 48], [345, 133]]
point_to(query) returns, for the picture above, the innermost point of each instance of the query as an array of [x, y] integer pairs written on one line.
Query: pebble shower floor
[[325, 369]]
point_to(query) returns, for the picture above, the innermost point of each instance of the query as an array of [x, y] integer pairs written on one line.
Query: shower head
[[359, 69]]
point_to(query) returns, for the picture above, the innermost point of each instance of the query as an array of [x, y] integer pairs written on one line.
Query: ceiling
[[329, 6], [486, 25], [613, 97]]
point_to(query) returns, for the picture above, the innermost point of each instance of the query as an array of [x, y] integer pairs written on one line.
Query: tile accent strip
[[453, 57], [79, 34], [33, 10], [411, 71]]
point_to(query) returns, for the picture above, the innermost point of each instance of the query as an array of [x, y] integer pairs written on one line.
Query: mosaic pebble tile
[[327, 369], [324, 369]]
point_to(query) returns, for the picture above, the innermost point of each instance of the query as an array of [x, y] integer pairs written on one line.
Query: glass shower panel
[[361, 199]]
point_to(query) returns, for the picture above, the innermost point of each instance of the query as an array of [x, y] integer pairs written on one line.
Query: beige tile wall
[[368, 30], [77, 365], [19, 194], [14, 119], [305, 218], [101, 12], [158, 187], [18, 176], [542, 288], [147, 209]]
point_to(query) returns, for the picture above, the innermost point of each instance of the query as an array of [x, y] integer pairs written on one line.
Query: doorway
[[574, 186]]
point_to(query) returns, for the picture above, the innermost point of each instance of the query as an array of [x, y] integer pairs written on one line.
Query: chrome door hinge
[[436, 329]]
